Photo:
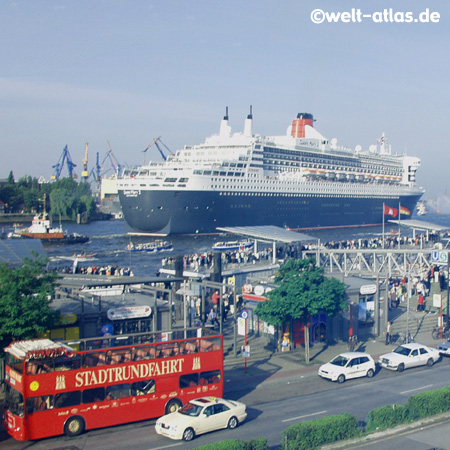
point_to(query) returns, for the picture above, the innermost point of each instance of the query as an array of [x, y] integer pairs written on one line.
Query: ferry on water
[[298, 180]]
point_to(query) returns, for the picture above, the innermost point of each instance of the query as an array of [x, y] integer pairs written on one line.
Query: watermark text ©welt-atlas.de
[[387, 15]]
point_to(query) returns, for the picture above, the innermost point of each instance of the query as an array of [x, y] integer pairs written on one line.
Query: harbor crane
[[85, 172], [118, 168], [65, 158], [155, 142]]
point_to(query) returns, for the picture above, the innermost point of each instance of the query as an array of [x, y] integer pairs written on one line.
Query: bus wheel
[[74, 426], [173, 406]]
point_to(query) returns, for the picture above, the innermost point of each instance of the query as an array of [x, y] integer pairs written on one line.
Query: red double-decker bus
[[53, 389]]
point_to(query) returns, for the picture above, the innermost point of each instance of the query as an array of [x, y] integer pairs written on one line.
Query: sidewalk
[[272, 367]]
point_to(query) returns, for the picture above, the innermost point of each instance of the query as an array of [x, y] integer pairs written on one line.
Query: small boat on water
[[421, 208], [42, 228], [156, 246], [232, 246], [84, 256]]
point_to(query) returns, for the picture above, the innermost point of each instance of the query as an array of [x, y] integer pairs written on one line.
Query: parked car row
[[358, 364]]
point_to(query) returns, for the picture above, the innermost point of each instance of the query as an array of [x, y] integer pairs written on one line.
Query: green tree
[[303, 291], [11, 178], [25, 296]]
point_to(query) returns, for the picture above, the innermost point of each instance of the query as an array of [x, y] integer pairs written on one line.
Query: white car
[[201, 416], [409, 355], [348, 365]]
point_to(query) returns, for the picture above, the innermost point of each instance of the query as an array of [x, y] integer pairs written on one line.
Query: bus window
[[167, 350], [15, 363], [143, 387], [118, 356], [189, 347], [94, 359], [41, 403], [210, 345], [14, 401], [188, 380], [35, 367], [211, 377], [64, 363], [94, 395], [67, 399], [117, 391], [143, 353]]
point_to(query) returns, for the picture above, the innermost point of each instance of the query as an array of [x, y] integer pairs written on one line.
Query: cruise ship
[[300, 180]]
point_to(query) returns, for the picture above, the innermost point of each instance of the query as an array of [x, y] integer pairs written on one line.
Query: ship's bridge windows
[[170, 180], [183, 180], [223, 174]]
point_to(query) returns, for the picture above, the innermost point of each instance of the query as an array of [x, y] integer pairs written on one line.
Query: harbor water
[[109, 240]]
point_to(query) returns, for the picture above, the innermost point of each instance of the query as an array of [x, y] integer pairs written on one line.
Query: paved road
[[279, 392]]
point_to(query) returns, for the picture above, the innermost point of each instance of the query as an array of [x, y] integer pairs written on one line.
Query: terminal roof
[[269, 233], [421, 225], [81, 280]]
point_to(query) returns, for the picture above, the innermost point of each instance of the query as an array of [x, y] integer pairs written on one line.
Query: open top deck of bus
[[38, 348]]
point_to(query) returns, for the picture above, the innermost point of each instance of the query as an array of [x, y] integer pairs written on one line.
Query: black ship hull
[[188, 212]]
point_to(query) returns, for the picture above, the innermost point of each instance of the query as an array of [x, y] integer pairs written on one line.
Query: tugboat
[[42, 228]]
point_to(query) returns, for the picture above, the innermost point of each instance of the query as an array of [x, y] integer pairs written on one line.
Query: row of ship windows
[[286, 194], [312, 158], [325, 167]]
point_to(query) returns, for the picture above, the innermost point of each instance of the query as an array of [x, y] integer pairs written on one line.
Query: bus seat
[[31, 368]]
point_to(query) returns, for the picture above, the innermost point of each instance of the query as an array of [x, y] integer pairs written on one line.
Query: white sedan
[[348, 365], [201, 416], [409, 355]]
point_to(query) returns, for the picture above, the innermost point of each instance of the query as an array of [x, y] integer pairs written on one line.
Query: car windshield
[[189, 409], [339, 361], [402, 350]]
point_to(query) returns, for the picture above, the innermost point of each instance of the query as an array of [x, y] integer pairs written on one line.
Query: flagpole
[[383, 225], [399, 215]]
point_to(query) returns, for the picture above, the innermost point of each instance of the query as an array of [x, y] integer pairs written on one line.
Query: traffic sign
[[244, 314], [439, 257]]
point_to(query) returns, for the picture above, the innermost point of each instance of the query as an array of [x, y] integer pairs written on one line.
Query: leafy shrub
[[313, 434], [429, 403], [386, 417], [234, 444]]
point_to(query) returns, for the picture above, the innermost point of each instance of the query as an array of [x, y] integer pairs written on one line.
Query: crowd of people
[[419, 285], [388, 242], [107, 270], [197, 262]]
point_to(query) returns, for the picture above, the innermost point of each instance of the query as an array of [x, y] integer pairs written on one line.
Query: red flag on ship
[[388, 211], [405, 211]]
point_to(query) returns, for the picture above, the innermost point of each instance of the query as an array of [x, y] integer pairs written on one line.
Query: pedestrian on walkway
[[388, 333]]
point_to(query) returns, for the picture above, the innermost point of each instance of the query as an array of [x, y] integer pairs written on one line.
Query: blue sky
[[128, 71]]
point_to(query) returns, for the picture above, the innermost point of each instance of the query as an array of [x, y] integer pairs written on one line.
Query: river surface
[[109, 239]]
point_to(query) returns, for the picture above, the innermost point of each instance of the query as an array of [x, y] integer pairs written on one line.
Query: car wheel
[[233, 423], [173, 406], [430, 362], [401, 367], [370, 373], [341, 378], [188, 434], [74, 426]]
